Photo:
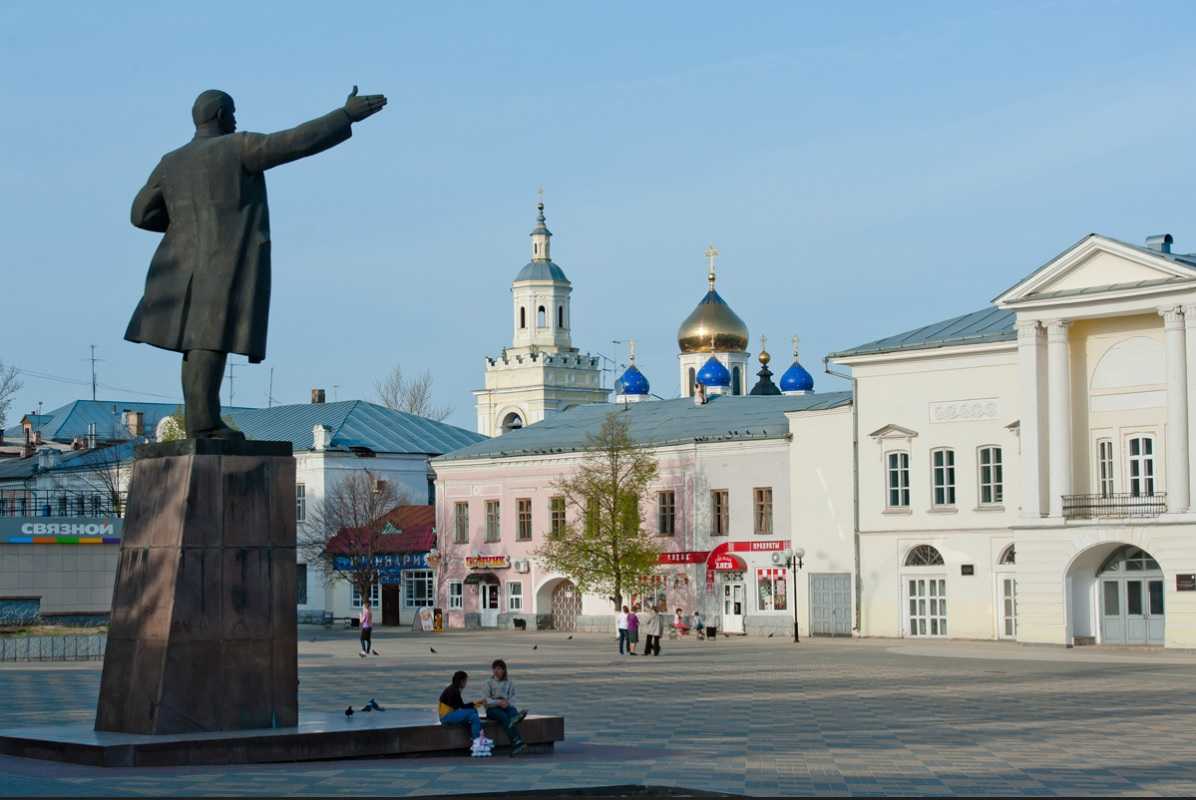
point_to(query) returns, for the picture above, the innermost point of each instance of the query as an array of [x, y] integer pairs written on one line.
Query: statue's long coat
[[208, 286]]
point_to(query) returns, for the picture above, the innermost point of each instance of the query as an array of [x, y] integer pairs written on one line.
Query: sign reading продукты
[[488, 562]]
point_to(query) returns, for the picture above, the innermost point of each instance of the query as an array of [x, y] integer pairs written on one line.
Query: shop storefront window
[[375, 595], [772, 589], [418, 589]]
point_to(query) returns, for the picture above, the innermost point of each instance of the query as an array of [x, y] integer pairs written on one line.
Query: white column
[[1059, 408], [1190, 335], [1029, 363], [1177, 410]]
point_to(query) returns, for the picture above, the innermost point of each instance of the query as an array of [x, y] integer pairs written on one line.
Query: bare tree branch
[[10, 384], [413, 396]]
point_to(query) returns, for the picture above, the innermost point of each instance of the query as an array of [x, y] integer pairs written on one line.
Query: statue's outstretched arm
[[149, 206], [262, 151]]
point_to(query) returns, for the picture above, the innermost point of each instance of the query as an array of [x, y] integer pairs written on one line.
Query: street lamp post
[[793, 560]]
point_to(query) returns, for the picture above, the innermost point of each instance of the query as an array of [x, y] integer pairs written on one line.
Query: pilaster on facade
[[1178, 477]]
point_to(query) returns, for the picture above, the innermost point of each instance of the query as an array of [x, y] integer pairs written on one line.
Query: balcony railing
[[51, 503], [1113, 506]]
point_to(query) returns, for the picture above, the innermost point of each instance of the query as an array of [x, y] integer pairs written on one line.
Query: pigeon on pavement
[[349, 711], [535, 647], [570, 636], [374, 705], [432, 649]]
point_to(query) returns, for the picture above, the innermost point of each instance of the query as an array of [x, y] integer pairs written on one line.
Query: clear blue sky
[[863, 171]]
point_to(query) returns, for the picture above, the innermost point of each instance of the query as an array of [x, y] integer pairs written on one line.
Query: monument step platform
[[317, 737]]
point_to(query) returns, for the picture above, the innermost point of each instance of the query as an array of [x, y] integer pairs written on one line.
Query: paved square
[[755, 716]]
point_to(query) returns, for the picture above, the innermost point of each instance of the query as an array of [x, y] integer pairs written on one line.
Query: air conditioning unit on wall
[[522, 565]]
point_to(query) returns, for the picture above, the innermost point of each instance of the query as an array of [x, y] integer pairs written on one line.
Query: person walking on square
[[633, 630], [653, 630], [621, 626], [679, 623], [500, 704], [366, 621], [698, 627]]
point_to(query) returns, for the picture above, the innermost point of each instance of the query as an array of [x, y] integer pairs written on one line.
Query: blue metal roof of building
[[96, 459], [65, 423], [656, 422], [541, 270], [354, 423], [986, 325]]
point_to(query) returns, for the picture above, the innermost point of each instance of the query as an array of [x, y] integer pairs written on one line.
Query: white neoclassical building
[[541, 372], [1021, 472]]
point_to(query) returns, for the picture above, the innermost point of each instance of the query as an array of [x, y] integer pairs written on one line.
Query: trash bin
[[711, 632]]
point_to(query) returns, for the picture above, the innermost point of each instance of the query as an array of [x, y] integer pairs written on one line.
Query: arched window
[[541, 318], [924, 556], [560, 316], [692, 383], [522, 317], [1128, 558], [1008, 556], [736, 382], [512, 422]]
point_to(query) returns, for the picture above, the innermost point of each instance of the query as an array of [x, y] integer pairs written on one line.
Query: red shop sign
[[728, 563], [684, 557]]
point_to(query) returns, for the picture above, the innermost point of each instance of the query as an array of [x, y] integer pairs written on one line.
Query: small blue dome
[[632, 382], [796, 379], [713, 373]]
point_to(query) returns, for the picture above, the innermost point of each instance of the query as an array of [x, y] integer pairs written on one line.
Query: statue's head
[[214, 107]]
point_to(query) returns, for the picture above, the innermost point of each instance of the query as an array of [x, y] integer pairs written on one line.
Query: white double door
[[489, 604], [733, 607], [1132, 610], [926, 606]]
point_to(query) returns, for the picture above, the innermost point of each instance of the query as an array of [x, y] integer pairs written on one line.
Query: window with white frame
[[461, 523], [493, 531], [992, 476], [762, 500], [942, 476], [897, 467], [1104, 467], [514, 596], [418, 589], [456, 594], [666, 512], [300, 502], [523, 515], [927, 598], [1140, 449], [375, 595]]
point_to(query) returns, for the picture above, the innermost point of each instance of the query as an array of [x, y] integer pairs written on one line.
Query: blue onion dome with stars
[[713, 373], [796, 378]]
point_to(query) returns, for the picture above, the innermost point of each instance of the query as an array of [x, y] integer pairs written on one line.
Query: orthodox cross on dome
[[764, 357], [540, 196], [631, 352], [711, 257], [795, 340]]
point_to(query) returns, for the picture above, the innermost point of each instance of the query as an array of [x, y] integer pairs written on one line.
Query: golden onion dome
[[712, 327]]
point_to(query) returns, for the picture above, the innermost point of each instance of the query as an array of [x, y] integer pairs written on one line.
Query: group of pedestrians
[[652, 619], [496, 703]]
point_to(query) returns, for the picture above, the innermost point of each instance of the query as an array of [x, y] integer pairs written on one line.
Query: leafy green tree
[[603, 546]]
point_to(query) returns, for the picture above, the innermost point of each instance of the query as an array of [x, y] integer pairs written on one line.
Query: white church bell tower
[[541, 372]]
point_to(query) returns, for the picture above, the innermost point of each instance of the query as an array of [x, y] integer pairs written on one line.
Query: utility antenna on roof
[[93, 361], [231, 382]]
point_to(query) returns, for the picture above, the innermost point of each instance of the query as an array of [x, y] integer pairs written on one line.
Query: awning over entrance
[[481, 577]]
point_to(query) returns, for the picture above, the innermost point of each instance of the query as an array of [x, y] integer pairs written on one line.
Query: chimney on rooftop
[[1160, 242], [317, 396], [135, 422]]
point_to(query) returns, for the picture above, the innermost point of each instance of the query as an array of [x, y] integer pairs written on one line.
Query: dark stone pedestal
[[203, 631]]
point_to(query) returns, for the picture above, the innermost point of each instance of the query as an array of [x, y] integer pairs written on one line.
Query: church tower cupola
[[713, 330], [632, 386], [796, 379]]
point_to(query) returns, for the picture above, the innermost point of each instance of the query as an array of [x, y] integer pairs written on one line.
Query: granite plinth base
[[204, 630], [317, 737]]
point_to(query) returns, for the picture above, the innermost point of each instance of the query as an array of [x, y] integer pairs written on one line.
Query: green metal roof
[[655, 423], [979, 327]]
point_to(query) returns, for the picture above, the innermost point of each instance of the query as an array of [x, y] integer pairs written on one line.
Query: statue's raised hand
[[360, 107]]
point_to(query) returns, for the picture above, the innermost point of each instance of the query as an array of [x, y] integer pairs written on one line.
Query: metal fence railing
[[80, 647], [1115, 506], [53, 503]]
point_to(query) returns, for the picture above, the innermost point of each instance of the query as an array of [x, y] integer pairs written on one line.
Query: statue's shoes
[[223, 432]]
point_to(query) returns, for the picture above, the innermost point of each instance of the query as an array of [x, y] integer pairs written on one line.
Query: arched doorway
[[924, 580], [1116, 595], [566, 606]]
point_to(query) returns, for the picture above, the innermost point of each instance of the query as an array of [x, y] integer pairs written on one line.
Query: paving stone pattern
[[755, 716]]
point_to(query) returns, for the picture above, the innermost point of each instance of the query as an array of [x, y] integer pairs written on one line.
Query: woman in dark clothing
[[455, 711]]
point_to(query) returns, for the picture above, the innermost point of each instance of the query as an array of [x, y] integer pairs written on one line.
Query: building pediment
[[892, 431], [1100, 266]]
